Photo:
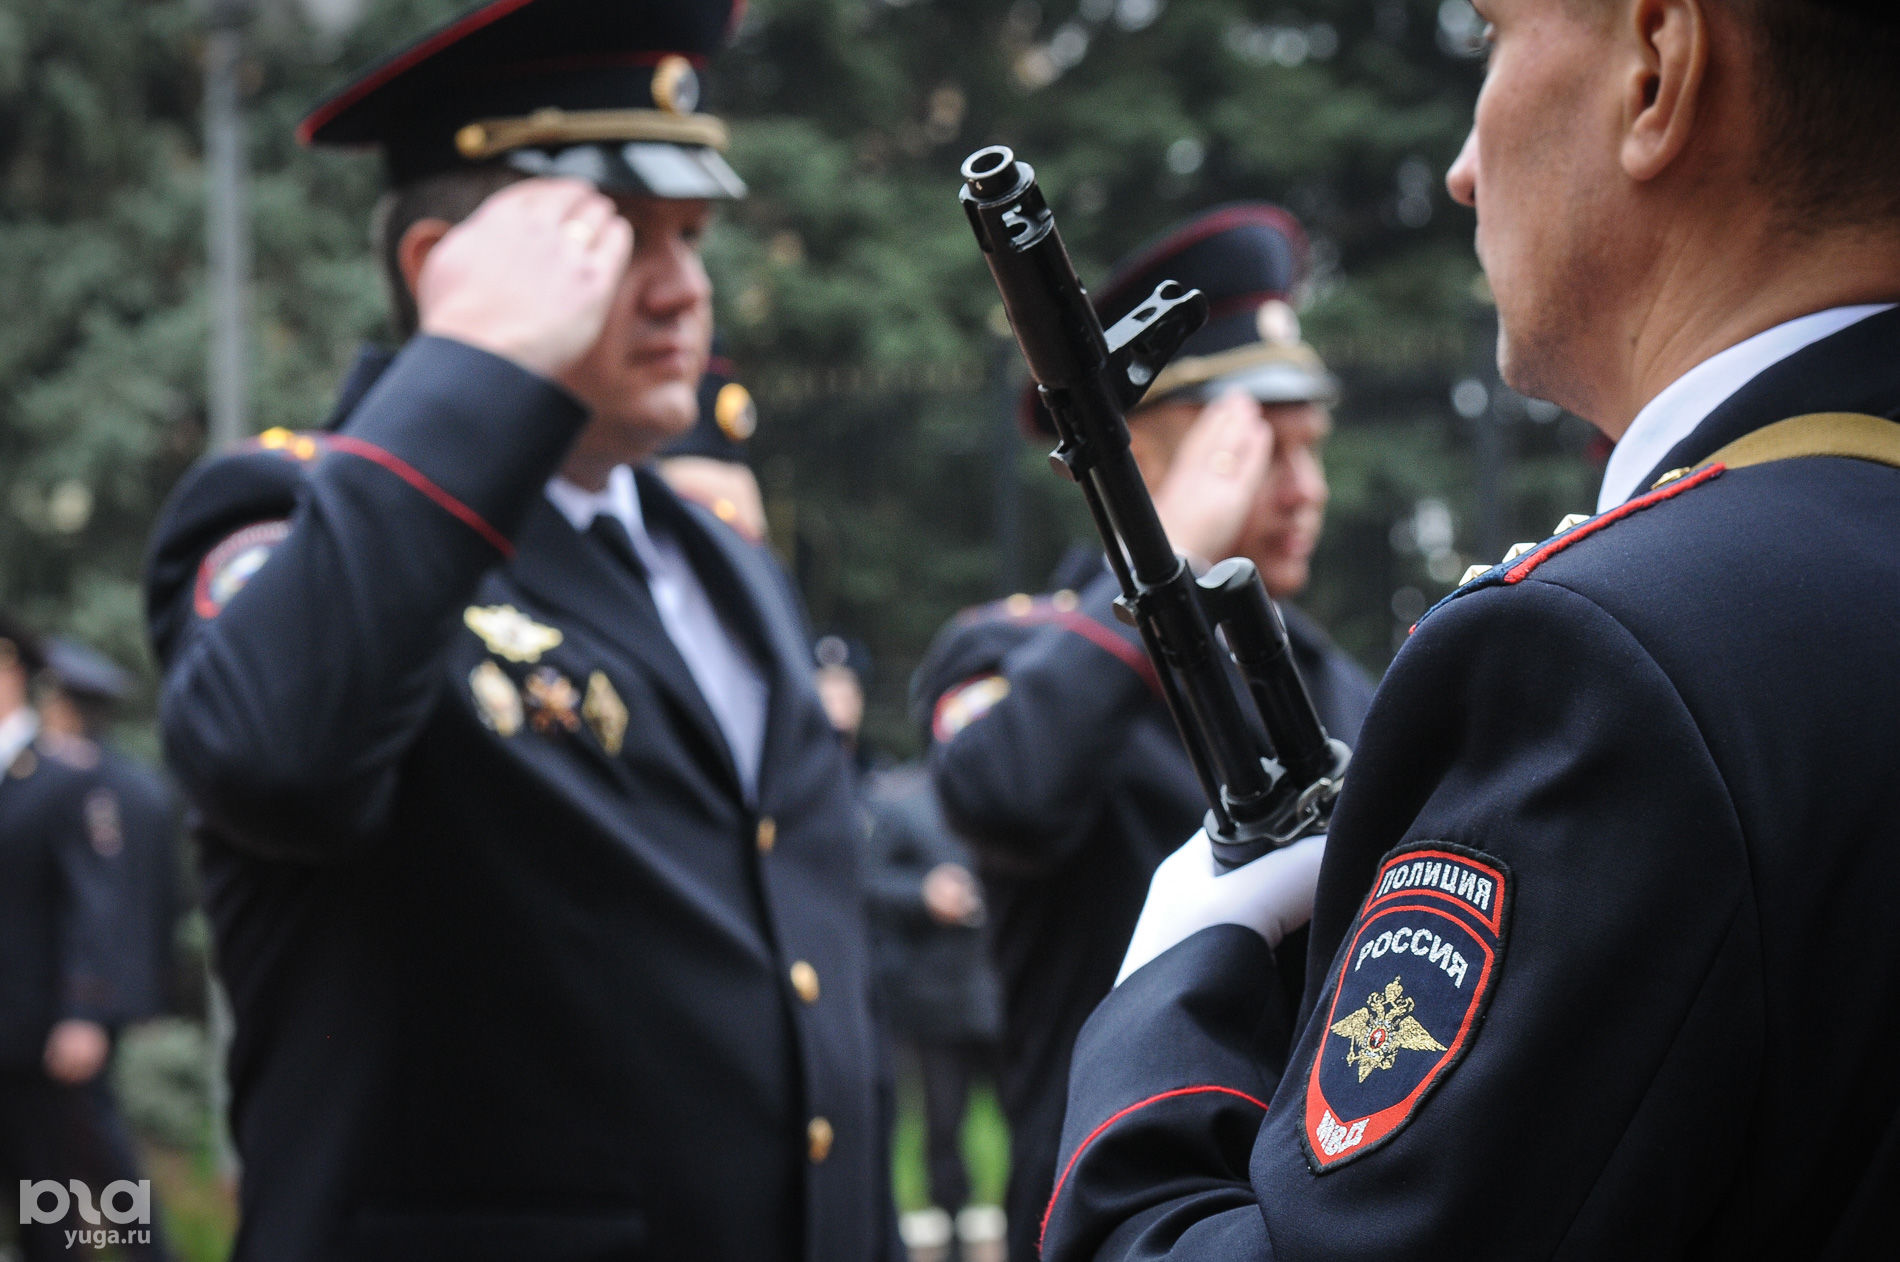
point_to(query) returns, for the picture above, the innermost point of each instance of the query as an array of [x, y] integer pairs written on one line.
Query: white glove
[[1272, 896]]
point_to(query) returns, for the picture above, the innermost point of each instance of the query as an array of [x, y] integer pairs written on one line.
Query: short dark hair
[[448, 195], [1831, 106], [18, 642]]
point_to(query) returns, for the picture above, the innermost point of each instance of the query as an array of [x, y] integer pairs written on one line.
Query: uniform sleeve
[[1020, 736], [1543, 1010], [286, 709]]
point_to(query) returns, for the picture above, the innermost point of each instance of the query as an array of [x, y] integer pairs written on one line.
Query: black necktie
[[612, 534]]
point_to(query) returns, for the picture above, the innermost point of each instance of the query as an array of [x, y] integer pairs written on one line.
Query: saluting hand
[[530, 275], [1215, 476]]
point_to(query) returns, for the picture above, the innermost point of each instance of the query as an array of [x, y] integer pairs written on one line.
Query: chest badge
[[605, 712], [552, 699], [1382, 1029], [495, 698], [509, 633]]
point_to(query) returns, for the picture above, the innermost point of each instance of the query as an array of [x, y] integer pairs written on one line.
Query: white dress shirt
[[1673, 415], [17, 731], [731, 682]]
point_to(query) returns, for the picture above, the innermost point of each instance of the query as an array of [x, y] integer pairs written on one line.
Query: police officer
[[81, 692], [527, 850], [1051, 744], [63, 910], [1601, 941]]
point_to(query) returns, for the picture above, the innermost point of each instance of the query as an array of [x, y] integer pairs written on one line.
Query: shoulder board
[[1524, 558], [1022, 607]]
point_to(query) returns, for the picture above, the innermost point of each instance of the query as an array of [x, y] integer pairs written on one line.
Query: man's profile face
[[643, 373], [1540, 167]]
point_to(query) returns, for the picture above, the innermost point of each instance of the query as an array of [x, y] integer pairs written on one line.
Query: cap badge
[[1276, 323], [733, 409], [675, 85], [495, 698], [552, 699], [605, 712], [509, 633]]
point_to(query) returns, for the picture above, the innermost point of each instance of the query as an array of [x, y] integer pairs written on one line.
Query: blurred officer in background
[[64, 951], [529, 852], [80, 695], [1052, 747], [942, 1004], [1602, 952], [708, 465]]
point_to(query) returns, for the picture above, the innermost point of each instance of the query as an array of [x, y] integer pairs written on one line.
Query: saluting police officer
[[1602, 952], [529, 854], [1052, 747]]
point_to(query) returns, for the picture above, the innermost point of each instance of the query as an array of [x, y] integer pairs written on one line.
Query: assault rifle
[[1260, 794]]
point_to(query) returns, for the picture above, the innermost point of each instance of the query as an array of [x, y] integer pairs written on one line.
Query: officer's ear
[[412, 251]]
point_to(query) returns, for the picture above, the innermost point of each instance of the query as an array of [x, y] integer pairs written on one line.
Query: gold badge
[[496, 699], [1382, 1029], [552, 699], [510, 633], [1276, 323], [675, 86], [605, 712], [736, 414]]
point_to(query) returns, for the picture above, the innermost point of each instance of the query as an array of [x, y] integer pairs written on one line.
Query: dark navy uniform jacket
[[1054, 753], [62, 899], [1603, 958], [518, 970]]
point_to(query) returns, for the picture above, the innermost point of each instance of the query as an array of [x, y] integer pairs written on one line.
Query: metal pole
[[227, 225]]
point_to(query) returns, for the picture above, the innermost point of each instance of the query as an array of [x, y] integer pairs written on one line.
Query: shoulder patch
[[965, 704], [1415, 976], [229, 566]]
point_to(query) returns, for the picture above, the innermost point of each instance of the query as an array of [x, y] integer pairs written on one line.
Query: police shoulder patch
[[229, 566], [965, 704], [1415, 976]]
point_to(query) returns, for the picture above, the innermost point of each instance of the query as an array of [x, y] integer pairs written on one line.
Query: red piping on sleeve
[[410, 474], [1094, 1134]]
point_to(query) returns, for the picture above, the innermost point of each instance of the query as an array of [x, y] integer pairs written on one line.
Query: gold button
[[767, 835], [805, 981], [818, 1139], [1064, 601], [1019, 605]]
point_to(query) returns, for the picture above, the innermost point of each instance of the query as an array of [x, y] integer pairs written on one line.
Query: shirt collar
[[17, 731], [619, 498], [1674, 414]]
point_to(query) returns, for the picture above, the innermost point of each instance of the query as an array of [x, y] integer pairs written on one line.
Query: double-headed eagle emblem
[[1383, 1028]]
